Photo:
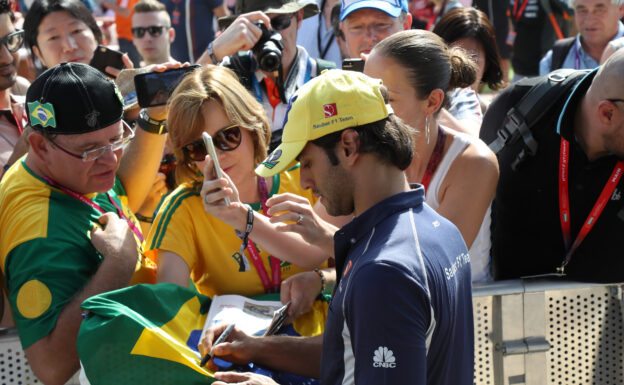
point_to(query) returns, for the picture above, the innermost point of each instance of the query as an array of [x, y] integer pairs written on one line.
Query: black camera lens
[[270, 58], [268, 49]]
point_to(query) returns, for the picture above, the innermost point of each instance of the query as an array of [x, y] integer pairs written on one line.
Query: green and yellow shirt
[[46, 253]]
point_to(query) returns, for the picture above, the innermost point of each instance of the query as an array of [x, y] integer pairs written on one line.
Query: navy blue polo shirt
[[402, 308]]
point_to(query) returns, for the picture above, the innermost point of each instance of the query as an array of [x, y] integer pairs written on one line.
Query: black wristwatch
[[150, 125], [210, 51]]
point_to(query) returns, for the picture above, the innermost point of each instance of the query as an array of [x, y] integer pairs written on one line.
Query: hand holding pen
[[219, 340]]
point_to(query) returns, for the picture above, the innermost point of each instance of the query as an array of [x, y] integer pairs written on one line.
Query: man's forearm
[[54, 358], [297, 355], [139, 166]]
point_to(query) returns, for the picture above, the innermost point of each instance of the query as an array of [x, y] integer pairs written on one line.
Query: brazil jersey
[[46, 253], [209, 246]]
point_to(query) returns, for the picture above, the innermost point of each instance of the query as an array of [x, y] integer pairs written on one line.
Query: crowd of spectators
[[420, 175]]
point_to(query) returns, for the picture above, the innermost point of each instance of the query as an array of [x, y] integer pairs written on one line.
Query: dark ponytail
[[430, 63]]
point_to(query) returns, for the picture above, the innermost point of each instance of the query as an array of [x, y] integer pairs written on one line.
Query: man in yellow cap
[[402, 306]]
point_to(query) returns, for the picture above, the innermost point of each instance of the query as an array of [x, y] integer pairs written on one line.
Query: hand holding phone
[[215, 160], [105, 57]]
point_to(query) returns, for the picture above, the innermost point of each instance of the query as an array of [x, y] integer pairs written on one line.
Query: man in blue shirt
[[598, 22], [402, 306]]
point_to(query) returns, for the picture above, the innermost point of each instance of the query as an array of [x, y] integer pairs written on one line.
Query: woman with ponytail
[[459, 171]]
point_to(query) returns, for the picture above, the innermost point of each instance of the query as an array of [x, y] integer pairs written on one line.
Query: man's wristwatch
[[150, 125], [210, 51]]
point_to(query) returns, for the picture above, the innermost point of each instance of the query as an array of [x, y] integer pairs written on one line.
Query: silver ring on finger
[[299, 219]]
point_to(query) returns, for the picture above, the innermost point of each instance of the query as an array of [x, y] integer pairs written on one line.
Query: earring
[[427, 127]]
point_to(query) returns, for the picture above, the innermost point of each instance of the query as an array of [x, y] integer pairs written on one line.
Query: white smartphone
[[215, 160]]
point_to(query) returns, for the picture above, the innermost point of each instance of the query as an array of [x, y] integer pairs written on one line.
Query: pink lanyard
[[276, 272], [564, 202], [89, 202]]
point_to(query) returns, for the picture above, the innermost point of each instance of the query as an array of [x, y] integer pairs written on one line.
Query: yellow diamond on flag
[[169, 341]]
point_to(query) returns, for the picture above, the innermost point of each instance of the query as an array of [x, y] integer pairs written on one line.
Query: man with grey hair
[[598, 22]]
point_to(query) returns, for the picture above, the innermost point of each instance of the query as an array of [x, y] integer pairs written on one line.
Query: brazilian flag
[[148, 334]]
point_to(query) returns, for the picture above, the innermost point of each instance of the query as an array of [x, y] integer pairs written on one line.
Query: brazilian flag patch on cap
[[42, 114]]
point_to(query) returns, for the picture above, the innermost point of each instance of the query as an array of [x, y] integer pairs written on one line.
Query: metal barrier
[[531, 332], [545, 332], [14, 368]]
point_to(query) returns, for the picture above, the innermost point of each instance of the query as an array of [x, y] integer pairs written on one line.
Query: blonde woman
[[195, 233]]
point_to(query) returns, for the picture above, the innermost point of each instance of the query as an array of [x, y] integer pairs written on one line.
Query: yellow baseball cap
[[331, 102]]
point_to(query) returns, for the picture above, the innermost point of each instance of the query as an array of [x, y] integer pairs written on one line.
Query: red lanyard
[[276, 270], [89, 202], [564, 202], [434, 160], [517, 13]]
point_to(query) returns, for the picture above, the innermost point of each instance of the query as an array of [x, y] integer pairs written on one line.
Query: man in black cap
[[273, 87], [67, 231]]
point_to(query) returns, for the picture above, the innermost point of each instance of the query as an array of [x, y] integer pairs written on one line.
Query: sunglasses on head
[[153, 30], [281, 22], [226, 139]]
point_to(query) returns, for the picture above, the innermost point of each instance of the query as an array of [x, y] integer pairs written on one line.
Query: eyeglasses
[[281, 22], [13, 41], [226, 139], [153, 30], [91, 155]]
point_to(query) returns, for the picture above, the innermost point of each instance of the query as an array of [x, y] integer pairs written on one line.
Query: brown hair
[[430, 62], [472, 23], [185, 120], [145, 6]]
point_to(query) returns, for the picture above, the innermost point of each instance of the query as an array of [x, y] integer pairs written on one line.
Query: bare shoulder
[[476, 160]]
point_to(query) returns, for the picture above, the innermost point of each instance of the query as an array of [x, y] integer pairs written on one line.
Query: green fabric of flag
[[148, 334], [144, 334]]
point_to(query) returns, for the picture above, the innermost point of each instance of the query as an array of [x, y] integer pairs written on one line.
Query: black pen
[[221, 338]]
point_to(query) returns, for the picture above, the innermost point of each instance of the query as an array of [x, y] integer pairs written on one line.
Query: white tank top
[[480, 250]]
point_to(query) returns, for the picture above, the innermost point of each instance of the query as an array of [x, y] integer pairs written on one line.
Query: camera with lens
[[268, 50]]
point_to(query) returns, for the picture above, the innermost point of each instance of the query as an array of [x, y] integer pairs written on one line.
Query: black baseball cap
[[73, 98]]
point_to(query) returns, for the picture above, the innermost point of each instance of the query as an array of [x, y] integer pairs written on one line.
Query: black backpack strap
[[531, 108], [559, 52], [322, 65]]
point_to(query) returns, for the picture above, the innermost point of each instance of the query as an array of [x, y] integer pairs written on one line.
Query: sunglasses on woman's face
[[226, 139], [281, 22]]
